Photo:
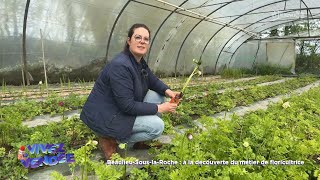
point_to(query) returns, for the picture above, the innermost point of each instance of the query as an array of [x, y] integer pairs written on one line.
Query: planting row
[[10, 94], [187, 111], [54, 104], [280, 143], [11, 116], [223, 85], [27, 109], [213, 102], [41, 90], [285, 138], [73, 132]]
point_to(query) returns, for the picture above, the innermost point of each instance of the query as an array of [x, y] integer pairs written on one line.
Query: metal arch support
[[308, 23], [155, 35], [306, 7], [296, 20], [214, 4], [286, 20], [308, 12], [255, 23], [114, 25], [225, 26], [175, 67], [245, 28], [215, 66], [264, 30], [232, 21], [256, 55], [210, 19]]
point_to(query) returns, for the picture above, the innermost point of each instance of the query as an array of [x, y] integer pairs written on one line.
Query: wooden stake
[[44, 63]]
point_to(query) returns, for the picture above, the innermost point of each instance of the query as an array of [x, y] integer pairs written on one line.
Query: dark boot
[[143, 145], [108, 146]]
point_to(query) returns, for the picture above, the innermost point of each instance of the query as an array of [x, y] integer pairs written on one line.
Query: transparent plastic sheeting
[[265, 52], [76, 32]]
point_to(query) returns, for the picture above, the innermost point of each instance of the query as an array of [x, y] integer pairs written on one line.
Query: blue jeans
[[147, 127]]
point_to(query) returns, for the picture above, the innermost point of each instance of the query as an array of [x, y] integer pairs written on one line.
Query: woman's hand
[[167, 107], [170, 93]]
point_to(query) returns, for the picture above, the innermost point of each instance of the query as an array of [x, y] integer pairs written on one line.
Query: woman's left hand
[[170, 93]]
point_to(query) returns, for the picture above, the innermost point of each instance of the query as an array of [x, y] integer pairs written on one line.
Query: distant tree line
[[308, 55]]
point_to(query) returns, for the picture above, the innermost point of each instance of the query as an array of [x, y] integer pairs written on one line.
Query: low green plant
[[232, 73], [140, 174], [74, 131], [3, 89], [83, 159], [214, 102], [288, 130], [69, 85], [57, 176], [266, 69], [61, 85], [11, 168]]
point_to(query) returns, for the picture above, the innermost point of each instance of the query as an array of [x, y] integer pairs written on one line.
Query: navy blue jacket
[[117, 97]]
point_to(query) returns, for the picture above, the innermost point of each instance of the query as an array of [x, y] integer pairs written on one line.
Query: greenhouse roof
[[209, 30]]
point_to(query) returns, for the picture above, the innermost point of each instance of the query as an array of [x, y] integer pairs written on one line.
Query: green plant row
[[214, 102], [72, 132], [27, 109], [40, 93], [261, 69], [40, 89], [223, 85], [288, 130], [11, 117]]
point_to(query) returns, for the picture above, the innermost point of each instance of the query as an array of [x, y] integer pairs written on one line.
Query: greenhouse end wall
[[276, 53]]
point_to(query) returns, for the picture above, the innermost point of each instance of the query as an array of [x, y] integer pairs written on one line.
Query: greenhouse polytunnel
[[159, 89]]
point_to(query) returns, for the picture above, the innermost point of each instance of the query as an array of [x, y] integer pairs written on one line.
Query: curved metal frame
[[244, 34], [215, 66], [114, 25], [259, 32], [296, 20], [175, 67], [180, 49], [266, 29], [306, 6], [155, 35]]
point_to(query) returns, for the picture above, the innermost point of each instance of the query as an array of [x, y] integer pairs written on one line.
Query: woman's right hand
[[167, 107]]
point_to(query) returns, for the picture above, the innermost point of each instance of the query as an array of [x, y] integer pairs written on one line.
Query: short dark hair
[[131, 31]]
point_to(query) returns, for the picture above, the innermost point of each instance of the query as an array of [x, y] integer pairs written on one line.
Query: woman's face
[[139, 42]]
